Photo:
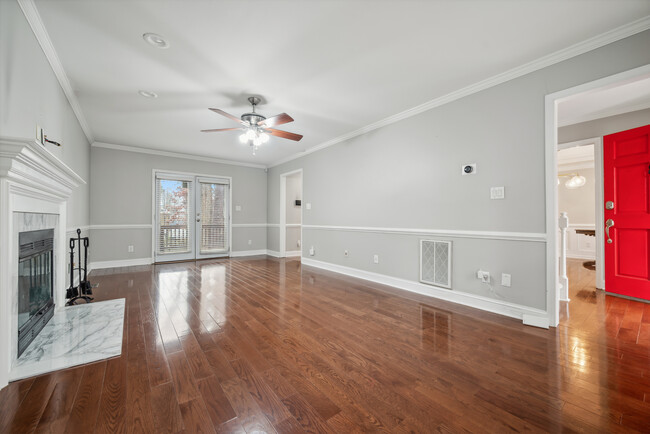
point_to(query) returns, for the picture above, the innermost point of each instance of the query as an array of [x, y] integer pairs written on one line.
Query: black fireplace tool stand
[[85, 288]]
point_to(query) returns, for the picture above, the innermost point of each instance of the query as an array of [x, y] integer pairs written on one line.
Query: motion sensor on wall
[[469, 169]]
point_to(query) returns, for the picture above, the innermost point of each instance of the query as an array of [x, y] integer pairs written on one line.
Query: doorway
[[191, 216], [551, 142], [291, 214]]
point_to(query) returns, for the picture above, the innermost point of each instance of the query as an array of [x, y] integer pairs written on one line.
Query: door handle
[[608, 224], [198, 220]]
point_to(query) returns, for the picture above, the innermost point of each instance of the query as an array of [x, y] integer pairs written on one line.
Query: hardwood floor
[[261, 345]]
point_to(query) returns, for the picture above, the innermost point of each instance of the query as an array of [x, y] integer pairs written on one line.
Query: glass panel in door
[[174, 222], [213, 197]]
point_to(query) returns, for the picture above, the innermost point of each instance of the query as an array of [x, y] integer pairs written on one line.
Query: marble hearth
[[34, 189]]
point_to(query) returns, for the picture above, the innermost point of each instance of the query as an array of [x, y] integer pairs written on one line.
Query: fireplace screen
[[35, 284]]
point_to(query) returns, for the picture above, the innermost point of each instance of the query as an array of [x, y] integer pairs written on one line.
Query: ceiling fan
[[256, 127]]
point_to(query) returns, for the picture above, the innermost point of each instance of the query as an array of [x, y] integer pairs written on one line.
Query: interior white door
[[212, 217], [174, 218]]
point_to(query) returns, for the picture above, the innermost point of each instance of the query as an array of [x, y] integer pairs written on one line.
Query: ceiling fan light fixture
[[264, 137], [243, 138], [251, 134], [155, 40]]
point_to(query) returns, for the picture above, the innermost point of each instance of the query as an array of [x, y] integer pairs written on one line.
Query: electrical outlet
[[237, 207], [346, 253], [375, 259], [506, 279], [483, 275], [497, 193], [298, 243], [312, 251], [308, 206], [130, 249], [250, 242]]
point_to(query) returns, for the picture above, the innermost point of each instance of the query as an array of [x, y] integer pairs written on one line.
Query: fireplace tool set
[[85, 288]]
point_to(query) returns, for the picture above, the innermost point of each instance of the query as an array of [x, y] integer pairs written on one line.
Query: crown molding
[[173, 154], [36, 23], [590, 44]]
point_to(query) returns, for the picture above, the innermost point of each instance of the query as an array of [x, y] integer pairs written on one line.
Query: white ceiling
[[609, 101], [334, 66]]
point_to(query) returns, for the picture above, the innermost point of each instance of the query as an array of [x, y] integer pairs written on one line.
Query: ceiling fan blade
[[280, 119], [220, 129], [228, 115], [284, 134]]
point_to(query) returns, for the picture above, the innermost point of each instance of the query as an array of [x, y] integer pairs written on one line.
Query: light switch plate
[[497, 193], [237, 207], [308, 206], [506, 279]]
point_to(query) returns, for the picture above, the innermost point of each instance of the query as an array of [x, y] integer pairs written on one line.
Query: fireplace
[[35, 284]]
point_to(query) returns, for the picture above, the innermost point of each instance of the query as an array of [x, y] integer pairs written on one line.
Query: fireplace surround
[[34, 190]]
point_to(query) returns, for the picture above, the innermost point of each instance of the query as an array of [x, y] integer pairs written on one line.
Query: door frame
[[153, 209], [283, 211], [550, 128]]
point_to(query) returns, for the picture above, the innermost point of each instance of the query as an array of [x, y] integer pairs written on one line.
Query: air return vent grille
[[435, 263]]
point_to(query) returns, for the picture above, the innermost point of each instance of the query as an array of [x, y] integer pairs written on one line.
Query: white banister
[[564, 280]]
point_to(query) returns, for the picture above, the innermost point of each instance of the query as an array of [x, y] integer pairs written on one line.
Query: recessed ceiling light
[[155, 40], [148, 94]]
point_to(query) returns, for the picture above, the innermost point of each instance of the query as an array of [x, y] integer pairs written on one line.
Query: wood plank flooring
[[265, 345]]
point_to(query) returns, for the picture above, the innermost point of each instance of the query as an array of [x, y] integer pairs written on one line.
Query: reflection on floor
[[75, 335], [264, 344]]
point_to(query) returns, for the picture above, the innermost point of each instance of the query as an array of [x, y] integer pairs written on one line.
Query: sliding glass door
[[192, 217]]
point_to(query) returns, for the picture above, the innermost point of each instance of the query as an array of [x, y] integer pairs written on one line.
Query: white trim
[[293, 225], [283, 211], [568, 167], [249, 225], [98, 265], [535, 321], [293, 253], [38, 28], [550, 129], [273, 253], [490, 235], [582, 226], [590, 44], [124, 226], [466, 299], [148, 151], [242, 253], [273, 225]]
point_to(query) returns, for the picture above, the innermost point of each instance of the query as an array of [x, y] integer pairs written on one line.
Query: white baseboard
[[247, 253], [120, 263], [293, 254], [476, 301], [536, 321], [273, 253]]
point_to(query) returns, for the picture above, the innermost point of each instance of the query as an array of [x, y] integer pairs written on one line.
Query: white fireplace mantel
[[32, 180]]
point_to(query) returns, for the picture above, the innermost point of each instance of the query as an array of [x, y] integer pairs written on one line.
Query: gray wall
[[121, 194], [408, 175], [604, 126], [579, 203], [30, 94]]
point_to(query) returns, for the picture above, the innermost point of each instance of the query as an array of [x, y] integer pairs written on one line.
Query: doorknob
[[608, 224], [609, 205]]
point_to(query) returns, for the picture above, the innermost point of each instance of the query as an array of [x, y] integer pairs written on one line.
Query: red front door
[[627, 212]]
